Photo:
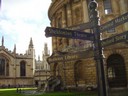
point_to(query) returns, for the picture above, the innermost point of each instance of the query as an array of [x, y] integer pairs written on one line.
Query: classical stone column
[[101, 9], [69, 14], [124, 9], [54, 39], [115, 6], [64, 25], [69, 19], [85, 11]]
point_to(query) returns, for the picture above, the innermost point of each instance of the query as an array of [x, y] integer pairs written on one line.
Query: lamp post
[[98, 52]]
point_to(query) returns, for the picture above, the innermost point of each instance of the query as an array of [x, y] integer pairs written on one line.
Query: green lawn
[[12, 92]]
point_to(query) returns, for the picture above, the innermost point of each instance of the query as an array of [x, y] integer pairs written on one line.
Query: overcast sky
[[22, 19]]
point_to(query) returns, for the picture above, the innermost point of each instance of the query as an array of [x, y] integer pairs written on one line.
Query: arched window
[[107, 6], [22, 68], [116, 71], [2, 67]]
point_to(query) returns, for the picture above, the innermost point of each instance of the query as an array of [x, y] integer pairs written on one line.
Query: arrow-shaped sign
[[115, 39], [115, 22], [73, 34]]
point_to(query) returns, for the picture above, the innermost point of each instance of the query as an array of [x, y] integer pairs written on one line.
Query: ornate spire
[[46, 49], [14, 50], [31, 43], [2, 41]]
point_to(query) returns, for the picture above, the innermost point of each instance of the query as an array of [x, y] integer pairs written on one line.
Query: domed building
[[82, 71]]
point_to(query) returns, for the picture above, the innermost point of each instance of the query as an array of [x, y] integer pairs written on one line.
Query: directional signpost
[[75, 33], [115, 39], [50, 31], [98, 53], [114, 23]]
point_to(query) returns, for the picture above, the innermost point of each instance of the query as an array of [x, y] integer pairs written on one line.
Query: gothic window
[[22, 68], [107, 6], [2, 67]]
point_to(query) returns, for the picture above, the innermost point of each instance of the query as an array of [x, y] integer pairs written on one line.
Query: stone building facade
[[42, 70], [22, 69], [16, 69], [82, 72]]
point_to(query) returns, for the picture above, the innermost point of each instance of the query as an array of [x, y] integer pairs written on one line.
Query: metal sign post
[[114, 23], [74, 34], [123, 37], [98, 54]]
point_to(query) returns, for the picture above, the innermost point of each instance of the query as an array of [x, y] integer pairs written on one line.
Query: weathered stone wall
[[68, 13]]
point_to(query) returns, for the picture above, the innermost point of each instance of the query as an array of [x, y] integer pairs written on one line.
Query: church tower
[[45, 56], [46, 49], [31, 52], [2, 41]]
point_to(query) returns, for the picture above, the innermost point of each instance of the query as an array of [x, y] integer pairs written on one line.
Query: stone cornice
[[56, 6]]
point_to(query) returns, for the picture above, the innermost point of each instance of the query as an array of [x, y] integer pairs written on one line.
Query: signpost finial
[[93, 5]]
